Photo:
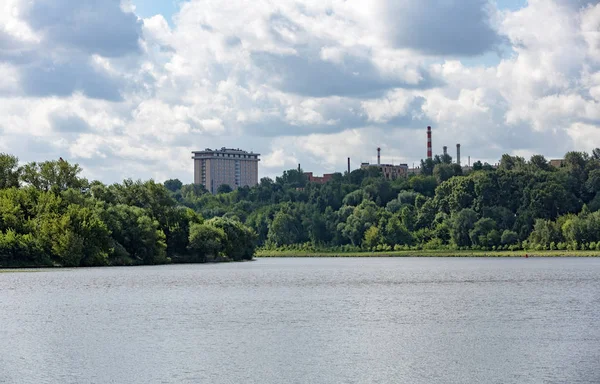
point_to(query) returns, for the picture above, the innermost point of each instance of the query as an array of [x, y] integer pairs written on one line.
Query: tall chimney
[[429, 151], [458, 154], [445, 150], [469, 164], [348, 165], [378, 156]]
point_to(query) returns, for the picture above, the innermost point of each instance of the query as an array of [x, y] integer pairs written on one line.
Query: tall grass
[[428, 253]]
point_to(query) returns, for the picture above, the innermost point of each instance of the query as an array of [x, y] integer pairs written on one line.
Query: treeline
[[519, 204], [49, 216]]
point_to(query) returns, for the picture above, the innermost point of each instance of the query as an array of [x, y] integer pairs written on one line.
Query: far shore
[[300, 254], [430, 253]]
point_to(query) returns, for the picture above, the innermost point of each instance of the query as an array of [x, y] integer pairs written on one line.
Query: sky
[[129, 88]]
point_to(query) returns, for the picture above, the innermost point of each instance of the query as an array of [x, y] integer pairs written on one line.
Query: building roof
[[227, 150]]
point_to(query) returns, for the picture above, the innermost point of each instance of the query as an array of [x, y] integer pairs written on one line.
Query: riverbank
[[430, 253]]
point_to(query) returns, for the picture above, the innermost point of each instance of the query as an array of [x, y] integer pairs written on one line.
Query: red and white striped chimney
[[429, 151], [378, 156]]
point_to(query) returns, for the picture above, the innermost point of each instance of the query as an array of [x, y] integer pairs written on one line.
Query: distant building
[[233, 167], [389, 171], [414, 171], [318, 179], [557, 163]]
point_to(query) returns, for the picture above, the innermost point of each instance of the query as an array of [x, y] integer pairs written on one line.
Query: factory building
[[389, 171], [233, 167], [318, 179]]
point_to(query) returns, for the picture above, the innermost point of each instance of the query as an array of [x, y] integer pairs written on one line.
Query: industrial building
[[233, 167], [318, 179], [389, 171]]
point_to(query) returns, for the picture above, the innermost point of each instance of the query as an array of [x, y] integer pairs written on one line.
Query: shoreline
[[299, 254], [440, 253]]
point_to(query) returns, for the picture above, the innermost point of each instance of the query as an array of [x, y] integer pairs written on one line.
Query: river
[[273, 321]]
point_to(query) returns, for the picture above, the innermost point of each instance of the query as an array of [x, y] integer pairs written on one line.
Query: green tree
[[292, 178], [224, 188], [484, 233], [372, 238], [58, 175], [443, 172], [427, 167], [206, 242], [284, 230], [509, 237], [461, 224], [396, 233], [173, 185], [9, 171], [241, 242]]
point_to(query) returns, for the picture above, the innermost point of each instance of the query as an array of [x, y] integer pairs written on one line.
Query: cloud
[[96, 27], [56, 45], [46, 78], [69, 124], [440, 27], [278, 159], [309, 75], [310, 82]]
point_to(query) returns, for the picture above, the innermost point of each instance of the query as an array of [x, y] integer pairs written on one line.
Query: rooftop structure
[[234, 167]]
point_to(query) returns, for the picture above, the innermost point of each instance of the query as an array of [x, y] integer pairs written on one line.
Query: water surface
[[272, 321]]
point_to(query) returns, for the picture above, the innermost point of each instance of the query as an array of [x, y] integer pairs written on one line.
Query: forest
[[50, 216], [519, 204]]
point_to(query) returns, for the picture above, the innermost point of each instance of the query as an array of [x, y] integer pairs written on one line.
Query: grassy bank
[[429, 253]]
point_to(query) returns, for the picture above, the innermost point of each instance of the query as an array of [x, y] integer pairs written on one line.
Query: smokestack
[[469, 164], [429, 151], [445, 150], [378, 156], [348, 165], [458, 154]]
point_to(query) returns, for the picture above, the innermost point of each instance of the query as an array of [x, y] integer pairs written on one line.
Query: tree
[[427, 166], [173, 185], [293, 178], [443, 172], [241, 240], [58, 175], [224, 188], [136, 235], [372, 238], [9, 171], [508, 162], [424, 185], [362, 217], [461, 224], [539, 162], [206, 242], [284, 230], [396, 233], [484, 233], [509, 237]]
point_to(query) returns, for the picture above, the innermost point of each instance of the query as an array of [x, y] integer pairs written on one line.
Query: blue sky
[[305, 81], [148, 8]]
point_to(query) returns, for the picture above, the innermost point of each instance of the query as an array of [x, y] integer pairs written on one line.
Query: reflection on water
[[386, 320]]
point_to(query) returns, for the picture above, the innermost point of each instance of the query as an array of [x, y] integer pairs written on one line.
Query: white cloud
[[278, 158], [311, 82]]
